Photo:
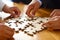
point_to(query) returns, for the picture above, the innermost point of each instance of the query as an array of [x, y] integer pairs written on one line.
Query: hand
[[53, 23], [11, 38], [14, 11], [55, 12], [33, 7], [5, 32]]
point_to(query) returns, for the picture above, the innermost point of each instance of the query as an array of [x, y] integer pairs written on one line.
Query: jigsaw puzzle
[[27, 25]]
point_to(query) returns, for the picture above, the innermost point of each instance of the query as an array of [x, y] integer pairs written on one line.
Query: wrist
[[5, 8], [40, 2]]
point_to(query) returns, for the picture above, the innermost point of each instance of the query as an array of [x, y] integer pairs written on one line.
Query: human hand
[[53, 23], [11, 38], [55, 12], [32, 9], [5, 32], [14, 11]]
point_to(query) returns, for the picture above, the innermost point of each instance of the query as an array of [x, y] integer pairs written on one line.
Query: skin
[[5, 32], [33, 7], [54, 21], [55, 12], [14, 11]]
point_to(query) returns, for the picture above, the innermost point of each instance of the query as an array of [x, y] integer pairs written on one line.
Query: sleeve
[[51, 4], [1, 5], [40, 2]]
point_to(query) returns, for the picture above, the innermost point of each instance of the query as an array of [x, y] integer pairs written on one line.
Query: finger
[[16, 10], [53, 12], [56, 25], [6, 32], [11, 38], [30, 15], [48, 24], [44, 24], [13, 14], [1, 23], [33, 12], [6, 28], [29, 10], [9, 33], [55, 18], [3, 38], [17, 13], [53, 24], [57, 13], [36, 7], [3, 34]]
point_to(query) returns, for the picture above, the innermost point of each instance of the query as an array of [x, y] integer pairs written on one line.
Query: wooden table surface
[[45, 34], [49, 35]]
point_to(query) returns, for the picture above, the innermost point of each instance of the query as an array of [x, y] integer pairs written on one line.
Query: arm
[[1, 5], [33, 8], [14, 11]]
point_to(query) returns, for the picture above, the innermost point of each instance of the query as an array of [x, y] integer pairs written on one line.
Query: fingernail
[[13, 12]]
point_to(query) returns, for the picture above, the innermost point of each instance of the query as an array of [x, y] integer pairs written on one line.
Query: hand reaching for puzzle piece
[[53, 23]]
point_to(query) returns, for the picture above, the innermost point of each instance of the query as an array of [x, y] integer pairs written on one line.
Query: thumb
[[13, 14], [33, 13]]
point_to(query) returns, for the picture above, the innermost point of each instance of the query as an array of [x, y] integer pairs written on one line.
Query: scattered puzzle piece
[[32, 25]]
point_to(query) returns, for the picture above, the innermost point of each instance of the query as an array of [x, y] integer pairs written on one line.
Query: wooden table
[[49, 35], [45, 34]]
